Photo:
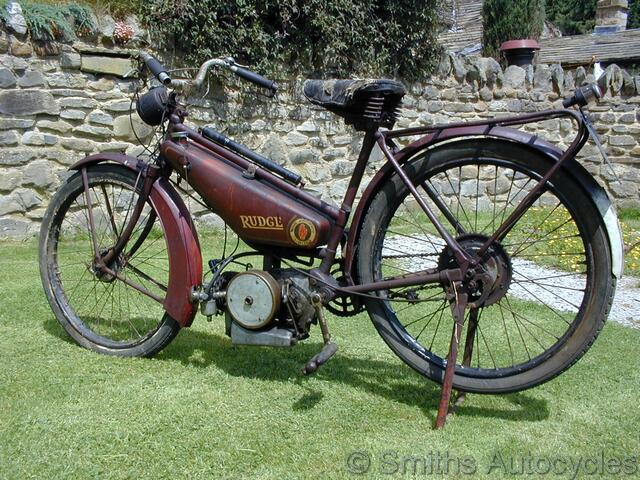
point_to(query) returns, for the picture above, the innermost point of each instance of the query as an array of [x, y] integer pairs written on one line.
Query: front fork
[[102, 262]]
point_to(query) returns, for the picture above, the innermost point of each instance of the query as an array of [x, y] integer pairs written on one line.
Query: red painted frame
[[185, 259]]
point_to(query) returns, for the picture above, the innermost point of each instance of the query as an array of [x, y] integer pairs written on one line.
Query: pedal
[[320, 359], [329, 348]]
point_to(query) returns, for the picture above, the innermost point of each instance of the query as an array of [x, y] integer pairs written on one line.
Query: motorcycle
[[474, 235]]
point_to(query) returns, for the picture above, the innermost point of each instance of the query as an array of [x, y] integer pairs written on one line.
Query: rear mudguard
[[594, 191], [185, 259]]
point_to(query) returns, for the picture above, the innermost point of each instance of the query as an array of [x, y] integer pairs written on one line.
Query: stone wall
[[56, 109]]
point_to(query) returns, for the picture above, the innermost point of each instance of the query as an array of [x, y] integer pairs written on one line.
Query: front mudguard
[[185, 258], [594, 191]]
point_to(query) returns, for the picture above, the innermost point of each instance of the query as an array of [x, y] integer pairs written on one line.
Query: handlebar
[[254, 78], [156, 68], [583, 96], [160, 72]]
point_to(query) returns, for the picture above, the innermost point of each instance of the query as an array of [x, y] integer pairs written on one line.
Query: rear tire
[[101, 313], [556, 259]]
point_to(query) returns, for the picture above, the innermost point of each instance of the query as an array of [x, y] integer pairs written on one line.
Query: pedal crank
[[329, 348]]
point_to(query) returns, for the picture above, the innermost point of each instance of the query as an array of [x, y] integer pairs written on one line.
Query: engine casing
[[261, 301], [253, 299]]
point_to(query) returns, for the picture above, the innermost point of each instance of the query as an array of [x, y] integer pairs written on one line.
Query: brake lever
[[131, 72], [596, 139], [231, 62]]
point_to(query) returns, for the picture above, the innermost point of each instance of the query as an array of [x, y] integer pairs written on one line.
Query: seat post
[[350, 195], [361, 164]]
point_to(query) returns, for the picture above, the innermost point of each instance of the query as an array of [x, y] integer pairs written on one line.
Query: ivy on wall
[[314, 37], [633, 20]]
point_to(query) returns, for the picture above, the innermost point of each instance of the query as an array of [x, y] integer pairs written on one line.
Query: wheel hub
[[116, 266], [489, 280]]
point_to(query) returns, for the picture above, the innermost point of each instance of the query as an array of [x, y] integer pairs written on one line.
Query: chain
[[348, 292]]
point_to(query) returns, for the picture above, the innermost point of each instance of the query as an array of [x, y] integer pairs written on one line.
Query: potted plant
[[512, 27]]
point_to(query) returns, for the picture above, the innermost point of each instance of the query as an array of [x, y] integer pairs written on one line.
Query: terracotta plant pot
[[520, 52]]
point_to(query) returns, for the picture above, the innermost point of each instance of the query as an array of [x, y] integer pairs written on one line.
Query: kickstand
[[458, 307], [468, 352]]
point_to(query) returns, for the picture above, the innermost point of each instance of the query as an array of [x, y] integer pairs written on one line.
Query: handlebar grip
[[255, 78], [569, 102], [156, 68], [583, 96]]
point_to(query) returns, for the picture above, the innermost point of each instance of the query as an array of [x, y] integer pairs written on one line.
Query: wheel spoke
[[539, 274], [103, 309]]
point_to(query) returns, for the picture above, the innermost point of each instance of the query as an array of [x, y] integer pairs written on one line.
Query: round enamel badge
[[302, 232]]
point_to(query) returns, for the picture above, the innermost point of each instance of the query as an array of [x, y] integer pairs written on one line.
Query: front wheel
[[545, 289], [102, 312]]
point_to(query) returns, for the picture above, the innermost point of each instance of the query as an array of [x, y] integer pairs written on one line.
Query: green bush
[[633, 20], [47, 22], [339, 37], [572, 17], [510, 20]]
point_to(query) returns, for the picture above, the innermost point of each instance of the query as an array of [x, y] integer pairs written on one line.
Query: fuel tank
[[254, 209]]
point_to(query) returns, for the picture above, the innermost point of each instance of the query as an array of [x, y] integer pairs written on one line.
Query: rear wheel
[[545, 288], [102, 312]]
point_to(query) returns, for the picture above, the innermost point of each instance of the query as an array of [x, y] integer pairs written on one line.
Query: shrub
[[510, 20], [633, 20], [47, 22], [572, 17], [340, 37]]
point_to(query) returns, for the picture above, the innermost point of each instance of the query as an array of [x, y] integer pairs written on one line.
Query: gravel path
[[626, 305], [558, 289]]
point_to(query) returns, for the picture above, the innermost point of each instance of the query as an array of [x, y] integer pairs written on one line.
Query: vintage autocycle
[[479, 235]]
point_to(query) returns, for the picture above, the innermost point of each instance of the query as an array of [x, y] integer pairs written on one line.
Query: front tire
[[554, 286], [100, 312]]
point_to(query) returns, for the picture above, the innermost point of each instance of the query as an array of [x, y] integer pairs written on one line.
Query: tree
[[510, 20], [572, 17], [633, 20]]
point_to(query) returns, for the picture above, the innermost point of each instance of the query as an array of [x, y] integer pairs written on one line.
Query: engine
[[268, 308], [253, 299]]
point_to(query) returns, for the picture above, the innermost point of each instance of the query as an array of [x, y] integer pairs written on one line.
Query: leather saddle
[[363, 103]]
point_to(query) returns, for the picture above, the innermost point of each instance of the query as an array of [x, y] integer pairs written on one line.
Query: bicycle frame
[[441, 133], [395, 157]]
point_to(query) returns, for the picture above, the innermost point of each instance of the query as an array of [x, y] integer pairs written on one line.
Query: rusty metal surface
[[262, 174], [256, 210], [458, 306], [185, 263], [456, 133], [126, 160], [408, 280], [349, 197], [92, 223]]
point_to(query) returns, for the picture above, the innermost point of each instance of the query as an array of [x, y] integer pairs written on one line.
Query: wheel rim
[[101, 308], [550, 268]]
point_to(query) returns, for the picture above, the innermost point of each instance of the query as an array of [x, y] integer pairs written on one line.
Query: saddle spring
[[381, 110]]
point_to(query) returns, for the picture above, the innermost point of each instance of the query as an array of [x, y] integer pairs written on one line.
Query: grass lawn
[[205, 409], [630, 225]]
